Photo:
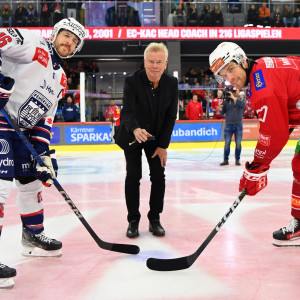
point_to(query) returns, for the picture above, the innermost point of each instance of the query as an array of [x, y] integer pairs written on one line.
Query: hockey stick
[[123, 248], [181, 263]]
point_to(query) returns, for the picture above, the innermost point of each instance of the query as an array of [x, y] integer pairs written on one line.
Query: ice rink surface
[[239, 263]]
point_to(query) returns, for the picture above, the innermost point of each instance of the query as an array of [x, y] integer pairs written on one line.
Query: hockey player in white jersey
[[32, 82]]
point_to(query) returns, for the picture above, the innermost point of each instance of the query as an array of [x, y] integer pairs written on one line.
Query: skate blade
[[288, 243], [6, 283], [38, 252]]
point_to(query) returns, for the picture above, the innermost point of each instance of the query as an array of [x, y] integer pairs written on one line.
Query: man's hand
[[6, 89], [254, 180], [46, 173], [162, 154], [141, 135]]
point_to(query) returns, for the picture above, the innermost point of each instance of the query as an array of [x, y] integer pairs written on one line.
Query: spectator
[[112, 115], [233, 108], [20, 15], [252, 17], [70, 111], [287, 16], [207, 80], [192, 15], [32, 17], [215, 104], [179, 16], [57, 11], [297, 15], [264, 15], [217, 17], [205, 18], [71, 84], [45, 14], [234, 6], [191, 76], [93, 67], [6, 16], [201, 75], [194, 109], [79, 68], [249, 112], [277, 18]]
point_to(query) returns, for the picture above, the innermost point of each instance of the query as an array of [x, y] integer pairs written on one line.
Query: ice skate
[[40, 245], [288, 236], [6, 277]]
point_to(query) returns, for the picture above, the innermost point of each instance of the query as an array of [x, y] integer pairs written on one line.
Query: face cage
[[219, 78]]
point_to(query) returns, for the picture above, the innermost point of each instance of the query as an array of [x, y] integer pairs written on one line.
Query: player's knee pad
[[29, 198], [296, 166], [5, 188]]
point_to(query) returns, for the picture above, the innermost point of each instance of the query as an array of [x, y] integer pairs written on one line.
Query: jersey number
[[4, 39]]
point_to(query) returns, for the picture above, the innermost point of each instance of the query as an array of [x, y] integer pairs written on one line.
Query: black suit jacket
[[138, 111]]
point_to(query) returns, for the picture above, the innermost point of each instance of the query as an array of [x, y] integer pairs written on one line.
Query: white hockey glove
[[6, 89], [45, 174]]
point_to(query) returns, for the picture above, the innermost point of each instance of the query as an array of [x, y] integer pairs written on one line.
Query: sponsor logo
[[259, 81], [217, 65], [15, 33], [26, 166], [41, 56], [269, 62], [47, 88], [264, 140], [6, 162], [63, 83], [285, 63], [259, 153], [4, 146]]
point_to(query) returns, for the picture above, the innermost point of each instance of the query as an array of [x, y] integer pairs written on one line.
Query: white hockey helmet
[[73, 26], [224, 54]]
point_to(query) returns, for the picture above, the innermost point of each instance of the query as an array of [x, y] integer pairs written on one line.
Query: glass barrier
[[100, 88], [222, 13]]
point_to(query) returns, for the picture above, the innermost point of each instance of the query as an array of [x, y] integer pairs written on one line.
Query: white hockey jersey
[[40, 81]]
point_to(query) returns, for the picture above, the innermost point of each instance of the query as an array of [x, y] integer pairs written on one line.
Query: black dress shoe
[[156, 228], [133, 229]]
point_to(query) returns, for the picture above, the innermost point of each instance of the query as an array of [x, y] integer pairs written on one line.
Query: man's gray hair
[[156, 47]]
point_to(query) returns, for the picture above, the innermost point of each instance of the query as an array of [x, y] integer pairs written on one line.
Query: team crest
[[33, 109]]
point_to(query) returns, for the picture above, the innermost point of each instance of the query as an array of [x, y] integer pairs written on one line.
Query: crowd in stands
[[201, 87], [185, 13]]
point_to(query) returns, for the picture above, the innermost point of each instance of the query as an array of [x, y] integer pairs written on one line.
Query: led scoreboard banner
[[182, 33]]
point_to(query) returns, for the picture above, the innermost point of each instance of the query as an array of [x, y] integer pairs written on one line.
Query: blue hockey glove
[[6, 89], [45, 174]]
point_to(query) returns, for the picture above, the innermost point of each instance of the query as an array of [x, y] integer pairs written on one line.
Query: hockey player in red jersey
[[112, 114], [275, 96]]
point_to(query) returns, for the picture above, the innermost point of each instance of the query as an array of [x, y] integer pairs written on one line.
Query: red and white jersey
[[215, 107], [40, 81], [112, 114], [275, 95], [193, 110]]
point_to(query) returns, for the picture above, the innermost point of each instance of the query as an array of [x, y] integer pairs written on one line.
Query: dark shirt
[[233, 111], [70, 113]]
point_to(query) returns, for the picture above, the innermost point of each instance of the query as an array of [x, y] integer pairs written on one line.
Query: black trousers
[[132, 182]]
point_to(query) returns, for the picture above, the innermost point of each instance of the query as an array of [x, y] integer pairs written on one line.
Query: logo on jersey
[[41, 56], [4, 146], [259, 153], [15, 33], [63, 82], [262, 113], [264, 140], [33, 109], [285, 63], [269, 62], [259, 81]]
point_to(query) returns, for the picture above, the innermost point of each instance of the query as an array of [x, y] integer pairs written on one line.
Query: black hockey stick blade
[[181, 263], [123, 248]]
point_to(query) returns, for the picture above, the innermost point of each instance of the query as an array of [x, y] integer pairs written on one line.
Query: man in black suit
[[149, 110]]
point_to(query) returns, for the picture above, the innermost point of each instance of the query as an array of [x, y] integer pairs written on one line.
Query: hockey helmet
[[73, 26], [224, 54]]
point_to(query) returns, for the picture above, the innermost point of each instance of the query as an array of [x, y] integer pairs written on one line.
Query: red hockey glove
[[6, 88], [254, 180]]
